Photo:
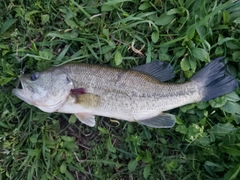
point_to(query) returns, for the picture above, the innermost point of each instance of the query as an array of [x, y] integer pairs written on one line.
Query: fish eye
[[34, 76], [68, 80]]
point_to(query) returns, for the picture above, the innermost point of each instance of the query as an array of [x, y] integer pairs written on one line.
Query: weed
[[37, 34]]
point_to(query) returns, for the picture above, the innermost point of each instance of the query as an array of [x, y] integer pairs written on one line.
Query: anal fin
[[164, 120], [86, 118]]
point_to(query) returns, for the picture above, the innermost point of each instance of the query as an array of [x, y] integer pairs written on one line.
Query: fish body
[[138, 94]]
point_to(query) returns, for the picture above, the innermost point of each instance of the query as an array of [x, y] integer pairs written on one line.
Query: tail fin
[[214, 80]]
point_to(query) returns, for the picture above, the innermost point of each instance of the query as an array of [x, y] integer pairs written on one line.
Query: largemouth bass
[[139, 94]]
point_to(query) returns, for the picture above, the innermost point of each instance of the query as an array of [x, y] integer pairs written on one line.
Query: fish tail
[[214, 80]]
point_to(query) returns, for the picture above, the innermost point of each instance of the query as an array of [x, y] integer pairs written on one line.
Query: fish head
[[47, 90]]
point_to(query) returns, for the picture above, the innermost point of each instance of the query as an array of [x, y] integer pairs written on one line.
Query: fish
[[140, 94]]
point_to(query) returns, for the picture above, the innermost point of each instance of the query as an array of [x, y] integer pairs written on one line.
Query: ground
[[37, 34]]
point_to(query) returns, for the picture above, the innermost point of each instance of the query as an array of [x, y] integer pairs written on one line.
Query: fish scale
[[121, 86], [139, 94]]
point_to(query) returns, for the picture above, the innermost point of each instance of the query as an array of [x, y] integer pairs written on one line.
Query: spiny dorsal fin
[[159, 70]]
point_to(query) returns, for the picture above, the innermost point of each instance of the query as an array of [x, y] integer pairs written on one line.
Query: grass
[[36, 34]]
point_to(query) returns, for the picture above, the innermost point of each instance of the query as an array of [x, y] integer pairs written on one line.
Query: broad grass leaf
[[234, 44], [106, 7], [106, 33], [72, 119], [114, 2], [190, 32], [68, 138], [203, 141], [4, 125], [164, 19], [130, 128], [106, 49], [5, 80], [222, 40], [182, 129], [193, 64], [237, 118], [34, 138], [63, 53], [71, 23], [164, 49], [173, 11], [232, 173], [226, 17], [163, 140], [200, 53], [7, 24], [171, 42], [219, 51], [185, 65], [68, 36], [164, 57], [237, 20], [222, 129], [118, 58], [231, 150], [4, 52], [218, 102], [179, 52], [231, 107], [28, 15], [146, 171], [132, 165], [3, 46], [149, 53], [45, 18], [110, 147], [214, 166], [46, 53], [144, 6], [236, 55], [63, 167], [147, 158], [155, 36], [103, 130], [69, 175], [232, 96], [187, 107], [202, 105]]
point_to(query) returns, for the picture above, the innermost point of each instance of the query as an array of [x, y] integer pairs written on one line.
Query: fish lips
[[23, 93], [26, 92]]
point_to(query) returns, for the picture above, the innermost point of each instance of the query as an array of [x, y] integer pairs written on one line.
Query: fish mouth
[[22, 92], [25, 91]]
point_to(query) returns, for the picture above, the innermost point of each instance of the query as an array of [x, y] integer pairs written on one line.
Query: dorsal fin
[[159, 70]]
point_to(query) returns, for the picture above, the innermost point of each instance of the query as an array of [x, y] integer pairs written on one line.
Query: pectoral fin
[[164, 120], [160, 70], [86, 118]]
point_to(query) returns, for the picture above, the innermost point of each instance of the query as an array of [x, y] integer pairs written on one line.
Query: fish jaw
[[48, 92], [28, 95], [20, 93], [24, 93]]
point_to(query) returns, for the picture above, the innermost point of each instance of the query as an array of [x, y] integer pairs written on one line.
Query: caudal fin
[[214, 80]]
